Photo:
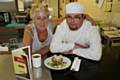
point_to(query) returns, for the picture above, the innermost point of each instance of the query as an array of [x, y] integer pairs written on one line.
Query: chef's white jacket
[[88, 35]]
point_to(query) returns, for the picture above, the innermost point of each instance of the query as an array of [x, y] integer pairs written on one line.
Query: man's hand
[[78, 46]]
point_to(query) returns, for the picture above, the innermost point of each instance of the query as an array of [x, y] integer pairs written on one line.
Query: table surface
[[110, 32], [7, 69]]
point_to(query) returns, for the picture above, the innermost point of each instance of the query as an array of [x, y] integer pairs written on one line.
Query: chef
[[77, 36]]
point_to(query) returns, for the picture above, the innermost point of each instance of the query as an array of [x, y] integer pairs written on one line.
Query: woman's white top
[[36, 44]]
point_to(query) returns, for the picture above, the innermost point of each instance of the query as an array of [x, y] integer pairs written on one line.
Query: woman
[[38, 33]]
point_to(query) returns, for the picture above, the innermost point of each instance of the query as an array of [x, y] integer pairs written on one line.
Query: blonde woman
[[38, 33]]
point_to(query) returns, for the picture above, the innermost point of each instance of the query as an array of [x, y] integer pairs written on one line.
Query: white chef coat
[[88, 35]]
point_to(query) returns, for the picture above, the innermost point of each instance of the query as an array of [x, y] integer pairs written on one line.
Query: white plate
[[49, 60]]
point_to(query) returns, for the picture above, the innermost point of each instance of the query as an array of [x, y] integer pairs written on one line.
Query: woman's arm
[[27, 37]]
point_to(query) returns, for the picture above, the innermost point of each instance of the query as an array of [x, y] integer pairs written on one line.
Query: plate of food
[[57, 62]]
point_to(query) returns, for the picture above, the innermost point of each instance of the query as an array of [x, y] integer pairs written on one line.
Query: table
[[87, 71], [111, 37], [7, 69], [110, 34]]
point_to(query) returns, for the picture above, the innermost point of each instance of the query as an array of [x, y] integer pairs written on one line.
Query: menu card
[[22, 63]]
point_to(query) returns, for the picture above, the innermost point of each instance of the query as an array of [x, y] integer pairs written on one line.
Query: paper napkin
[[5, 48], [76, 64]]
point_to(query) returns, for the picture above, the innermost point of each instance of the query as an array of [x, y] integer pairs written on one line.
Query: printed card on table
[[22, 62]]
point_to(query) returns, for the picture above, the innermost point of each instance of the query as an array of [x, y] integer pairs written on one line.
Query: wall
[[53, 4], [99, 14], [91, 8], [94, 11], [116, 13], [62, 4]]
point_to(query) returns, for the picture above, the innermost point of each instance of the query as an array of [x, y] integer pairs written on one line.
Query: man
[[77, 36]]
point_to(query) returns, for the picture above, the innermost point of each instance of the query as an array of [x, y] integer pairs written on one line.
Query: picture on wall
[[99, 3]]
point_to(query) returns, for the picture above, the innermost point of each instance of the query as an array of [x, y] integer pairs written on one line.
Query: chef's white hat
[[74, 7]]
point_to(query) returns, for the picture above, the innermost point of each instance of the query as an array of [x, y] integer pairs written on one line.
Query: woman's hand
[[43, 51]]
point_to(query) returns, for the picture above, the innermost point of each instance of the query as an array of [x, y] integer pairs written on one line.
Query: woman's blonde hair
[[36, 11]]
